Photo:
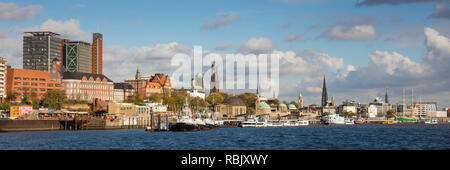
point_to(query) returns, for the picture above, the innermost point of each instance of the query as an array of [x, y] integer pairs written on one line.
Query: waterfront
[[314, 137]]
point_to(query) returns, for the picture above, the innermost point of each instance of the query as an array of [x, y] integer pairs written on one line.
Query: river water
[[314, 137]]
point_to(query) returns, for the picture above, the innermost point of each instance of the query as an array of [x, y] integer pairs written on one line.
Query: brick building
[[146, 86], [33, 83]]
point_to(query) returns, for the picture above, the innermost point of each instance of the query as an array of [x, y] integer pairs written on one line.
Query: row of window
[[26, 78], [32, 94], [26, 89], [35, 84]]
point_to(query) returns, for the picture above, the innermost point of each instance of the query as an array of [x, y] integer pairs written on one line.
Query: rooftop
[[80, 75], [42, 33]]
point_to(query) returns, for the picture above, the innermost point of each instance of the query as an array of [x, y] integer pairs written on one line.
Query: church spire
[[386, 97], [138, 73], [324, 92]]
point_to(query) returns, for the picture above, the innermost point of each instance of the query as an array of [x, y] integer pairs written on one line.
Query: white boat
[[334, 119], [430, 121], [349, 121], [303, 123], [290, 124], [274, 124], [252, 122]]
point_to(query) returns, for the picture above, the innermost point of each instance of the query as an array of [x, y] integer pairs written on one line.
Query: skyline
[[361, 47]]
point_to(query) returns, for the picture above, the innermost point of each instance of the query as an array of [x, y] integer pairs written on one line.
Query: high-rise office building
[[78, 57], [39, 49], [97, 53]]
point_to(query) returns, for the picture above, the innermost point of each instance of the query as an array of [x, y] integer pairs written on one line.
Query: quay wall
[[28, 125]]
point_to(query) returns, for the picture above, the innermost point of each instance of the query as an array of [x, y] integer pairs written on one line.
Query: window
[[42, 84], [26, 84], [50, 85], [41, 79], [17, 78], [41, 89], [34, 79], [17, 83], [34, 84], [26, 78]]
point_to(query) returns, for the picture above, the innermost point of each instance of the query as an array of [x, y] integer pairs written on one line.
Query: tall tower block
[[97, 53]]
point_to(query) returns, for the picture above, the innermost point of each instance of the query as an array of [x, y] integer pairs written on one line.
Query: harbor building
[[123, 92], [372, 111], [3, 71], [39, 49], [232, 107], [421, 108], [19, 111], [87, 86], [30, 83], [78, 57], [97, 53], [348, 106], [145, 86]]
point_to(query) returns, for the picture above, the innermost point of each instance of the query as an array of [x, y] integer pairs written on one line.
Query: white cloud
[[12, 12], [121, 63], [358, 32], [257, 46], [69, 29], [438, 50], [11, 39]]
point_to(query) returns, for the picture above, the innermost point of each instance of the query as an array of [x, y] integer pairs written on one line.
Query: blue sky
[[136, 24]]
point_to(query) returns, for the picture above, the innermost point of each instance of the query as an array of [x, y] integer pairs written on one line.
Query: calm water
[[413, 136]]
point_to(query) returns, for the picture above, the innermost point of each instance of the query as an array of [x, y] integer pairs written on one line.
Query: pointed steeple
[[324, 92], [386, 97], [138, 73]]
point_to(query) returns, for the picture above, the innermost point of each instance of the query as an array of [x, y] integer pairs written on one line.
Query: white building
[[197, 93], [2, 78], [421, 108], [123, 92], [372, 111]]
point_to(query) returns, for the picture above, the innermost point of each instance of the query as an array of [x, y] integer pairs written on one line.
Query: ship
[[334, 119], [187, 122]]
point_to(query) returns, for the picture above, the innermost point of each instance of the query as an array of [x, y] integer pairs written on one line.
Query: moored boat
[[334, 119]]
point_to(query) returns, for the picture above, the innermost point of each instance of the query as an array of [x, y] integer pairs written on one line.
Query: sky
[[362, 46]]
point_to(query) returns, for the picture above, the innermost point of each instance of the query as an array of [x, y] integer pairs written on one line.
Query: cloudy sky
[[362, 46]]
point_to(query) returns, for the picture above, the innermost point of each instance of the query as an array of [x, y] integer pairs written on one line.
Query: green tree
[[391, 113], [155, 98], [249, 100], [179, 102], [54, 99], [214, 99], [196, 103], [35, 102], [170, 102], [136, 99], [5, 105]]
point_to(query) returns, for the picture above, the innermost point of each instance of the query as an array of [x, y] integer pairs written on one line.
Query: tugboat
[[187, 122]]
